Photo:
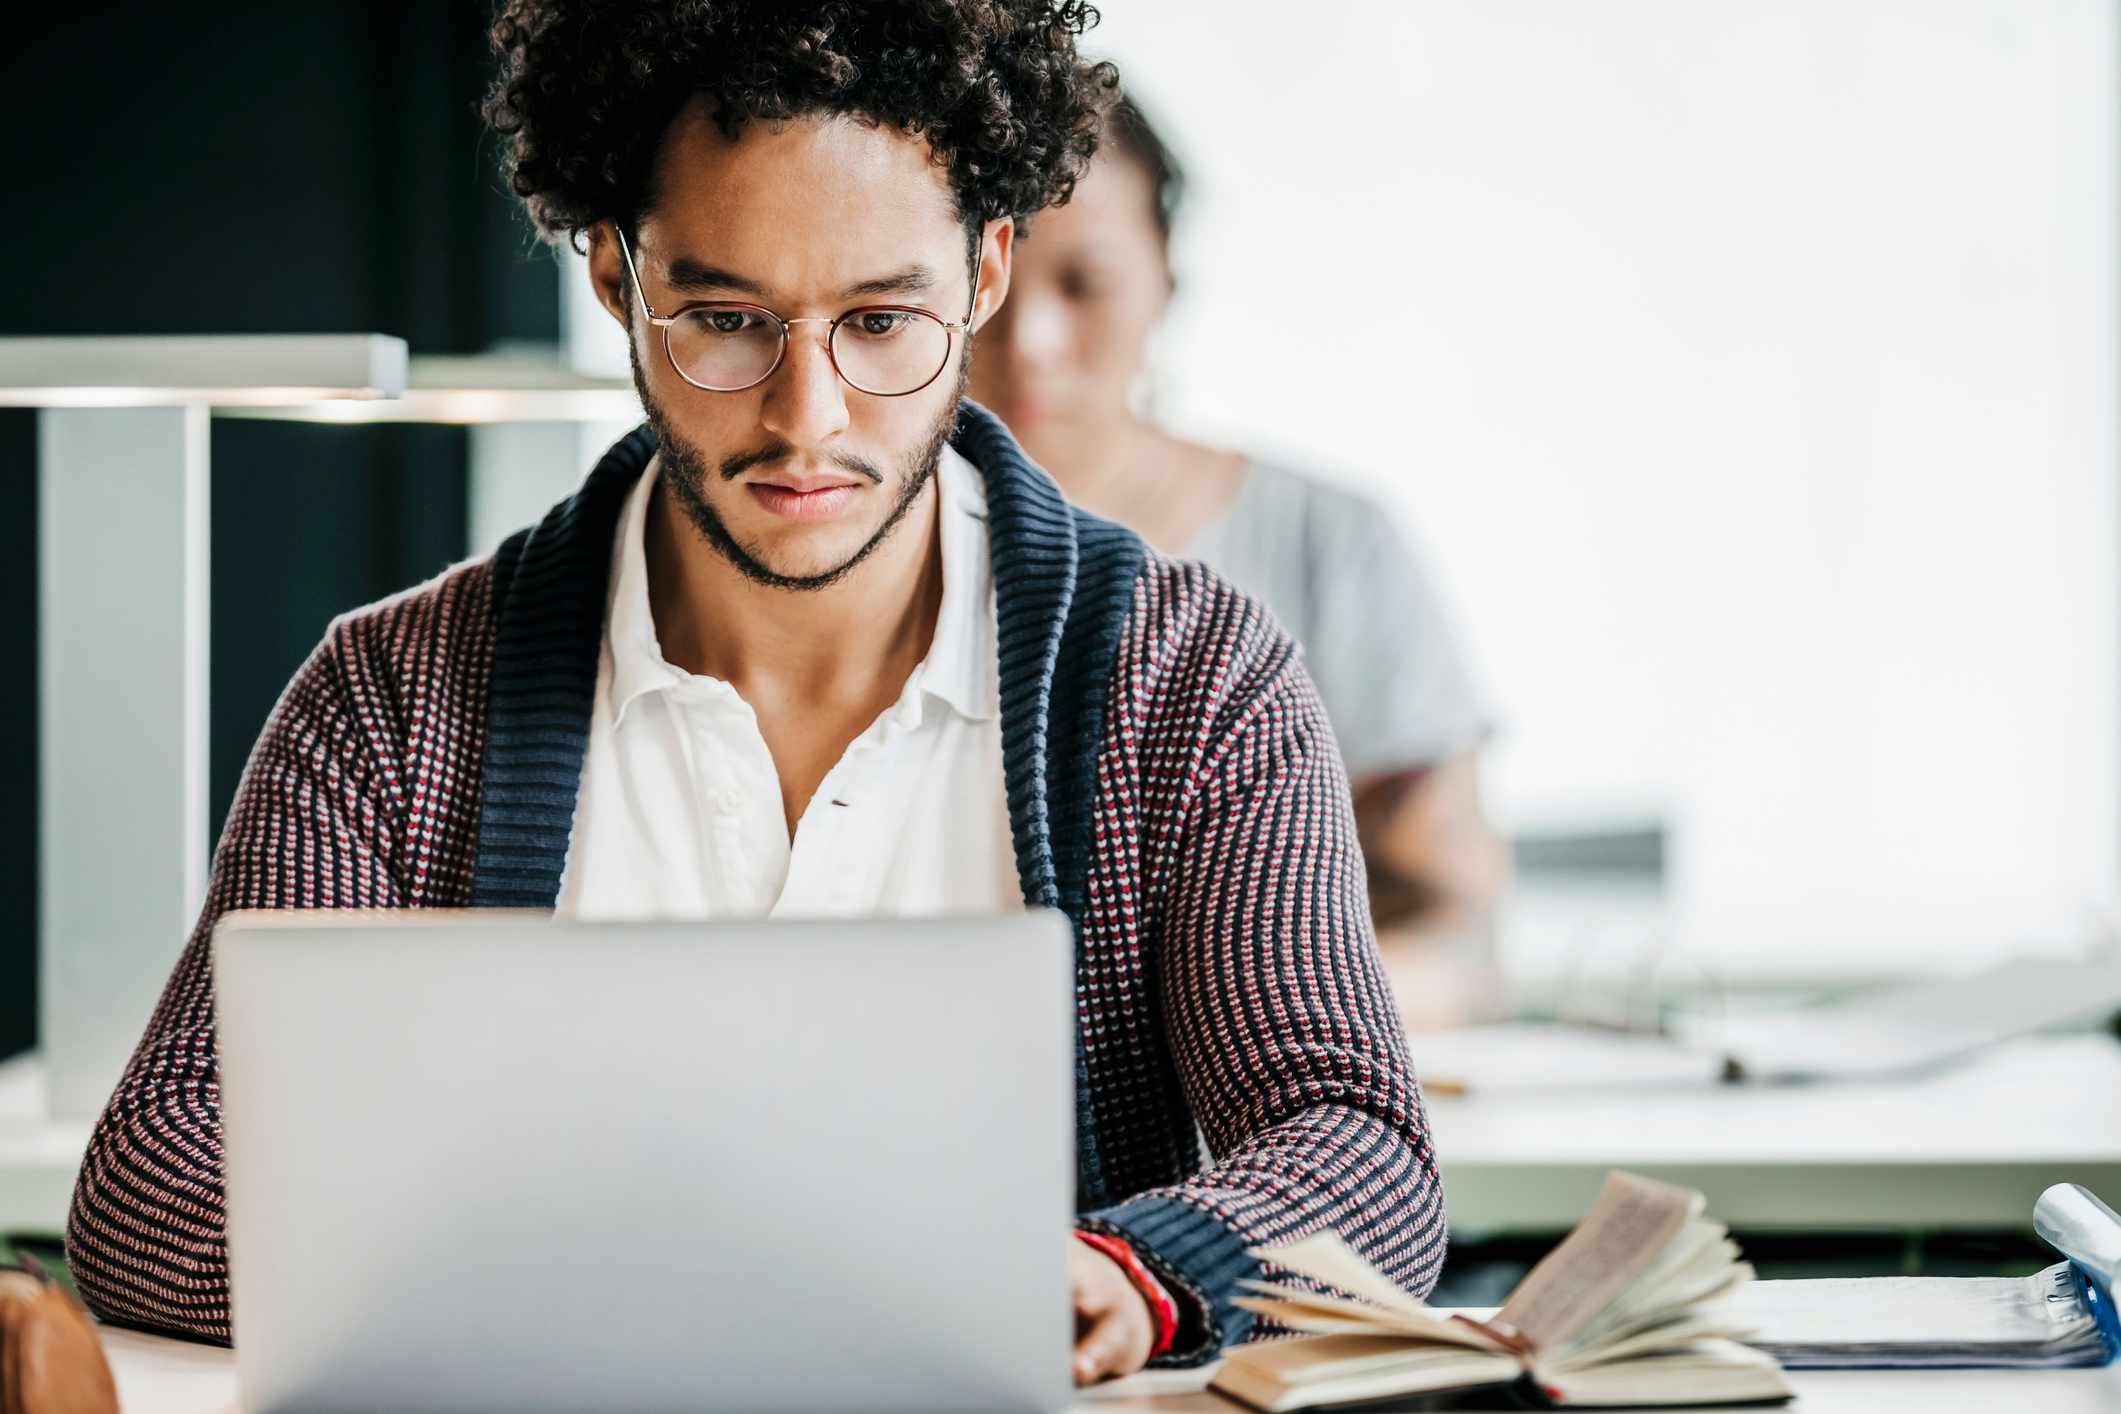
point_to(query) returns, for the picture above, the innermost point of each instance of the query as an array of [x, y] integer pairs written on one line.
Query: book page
[[1709, 1371], [1335, 1315], [1330, 1370], [1700, 1263], [1325, 1257], [1632, 1222]]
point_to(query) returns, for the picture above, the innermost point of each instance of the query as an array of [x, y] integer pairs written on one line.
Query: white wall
[[1750, 371]]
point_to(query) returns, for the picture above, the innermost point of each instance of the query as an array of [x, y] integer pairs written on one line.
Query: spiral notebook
[[2057, 1317]]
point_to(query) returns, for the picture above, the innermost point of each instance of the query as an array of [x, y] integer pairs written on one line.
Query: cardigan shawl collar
[[1063, 581]]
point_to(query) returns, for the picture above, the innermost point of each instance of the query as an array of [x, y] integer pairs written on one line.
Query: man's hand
[[1113, 1325]]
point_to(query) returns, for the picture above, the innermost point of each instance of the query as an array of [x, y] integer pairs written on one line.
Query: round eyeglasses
[[727, 346]]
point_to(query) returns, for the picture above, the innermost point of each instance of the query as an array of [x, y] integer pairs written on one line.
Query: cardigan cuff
[[1199, 1258]]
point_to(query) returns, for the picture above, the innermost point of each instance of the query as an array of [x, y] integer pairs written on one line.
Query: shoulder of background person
[[1330, 515]]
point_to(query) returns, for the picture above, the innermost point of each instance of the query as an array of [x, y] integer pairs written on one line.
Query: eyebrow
[[913, 280], [697, 277]]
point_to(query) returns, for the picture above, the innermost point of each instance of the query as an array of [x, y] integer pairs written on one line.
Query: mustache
[[775, 452]]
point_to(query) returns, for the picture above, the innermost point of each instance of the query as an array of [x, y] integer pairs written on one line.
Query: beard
[[687, 469]]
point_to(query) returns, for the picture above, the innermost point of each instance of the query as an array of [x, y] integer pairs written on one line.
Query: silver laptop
[[491, 1161]]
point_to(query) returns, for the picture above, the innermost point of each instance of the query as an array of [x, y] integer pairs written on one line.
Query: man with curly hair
[[818, 639]]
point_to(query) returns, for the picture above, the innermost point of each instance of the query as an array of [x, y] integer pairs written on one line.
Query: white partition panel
[[122, 621]]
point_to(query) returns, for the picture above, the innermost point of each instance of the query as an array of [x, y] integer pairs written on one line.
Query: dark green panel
[[310, 520], [254, 168]]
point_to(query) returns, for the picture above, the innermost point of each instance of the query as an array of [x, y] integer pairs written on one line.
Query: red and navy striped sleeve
[[1273, 1002]]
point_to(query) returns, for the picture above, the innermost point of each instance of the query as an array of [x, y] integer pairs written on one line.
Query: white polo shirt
[[680, 813]]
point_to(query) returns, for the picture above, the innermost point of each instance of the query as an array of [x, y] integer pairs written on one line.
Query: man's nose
[[805, 402]]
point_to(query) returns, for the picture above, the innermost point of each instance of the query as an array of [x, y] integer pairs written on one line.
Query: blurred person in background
[[1060, 363]]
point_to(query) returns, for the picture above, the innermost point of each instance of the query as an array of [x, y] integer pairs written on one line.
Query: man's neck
[[855, 641]]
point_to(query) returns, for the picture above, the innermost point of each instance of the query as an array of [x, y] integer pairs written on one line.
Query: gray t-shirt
[[1349, 588]]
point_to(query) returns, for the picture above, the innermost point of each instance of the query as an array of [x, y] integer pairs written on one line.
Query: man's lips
[[804, 486], [821, 501]]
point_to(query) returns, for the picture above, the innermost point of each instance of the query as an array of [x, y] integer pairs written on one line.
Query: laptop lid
[[495, 1161]]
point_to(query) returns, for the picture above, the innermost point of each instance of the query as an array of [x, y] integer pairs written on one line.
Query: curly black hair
[[1011, 112]]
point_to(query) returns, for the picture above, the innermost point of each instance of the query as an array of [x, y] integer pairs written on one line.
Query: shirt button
[[728, 801]]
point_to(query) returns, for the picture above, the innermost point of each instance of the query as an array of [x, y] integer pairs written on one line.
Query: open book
[[1619, 1313]]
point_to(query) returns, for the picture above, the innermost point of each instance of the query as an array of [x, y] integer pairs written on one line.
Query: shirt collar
[[961, 667]]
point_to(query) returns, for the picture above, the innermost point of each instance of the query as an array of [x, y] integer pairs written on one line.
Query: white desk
[[158, 1376], [1968, 1147], [39, 1155]]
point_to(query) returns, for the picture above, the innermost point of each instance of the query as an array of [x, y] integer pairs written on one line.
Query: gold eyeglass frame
[[780, 355]]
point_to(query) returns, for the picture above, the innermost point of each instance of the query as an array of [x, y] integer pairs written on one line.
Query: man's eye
[[727, 321], [878, 323]]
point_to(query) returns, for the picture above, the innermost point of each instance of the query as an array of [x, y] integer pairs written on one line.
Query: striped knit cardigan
[[1173, 787]]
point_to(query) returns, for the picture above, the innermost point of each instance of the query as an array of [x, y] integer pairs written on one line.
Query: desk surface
[[38, 1155], [1971, 1146], [157, 1376]]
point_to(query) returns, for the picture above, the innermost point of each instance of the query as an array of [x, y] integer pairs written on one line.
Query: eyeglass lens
[[883, 351]]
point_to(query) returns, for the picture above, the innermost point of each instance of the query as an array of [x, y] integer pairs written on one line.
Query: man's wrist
[[1163, 1311]]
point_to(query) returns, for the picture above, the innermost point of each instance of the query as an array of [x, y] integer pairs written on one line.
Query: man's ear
[[607, 273], [996, 247]]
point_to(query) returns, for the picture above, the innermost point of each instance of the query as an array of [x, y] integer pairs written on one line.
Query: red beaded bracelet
[[1161, 1306]]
